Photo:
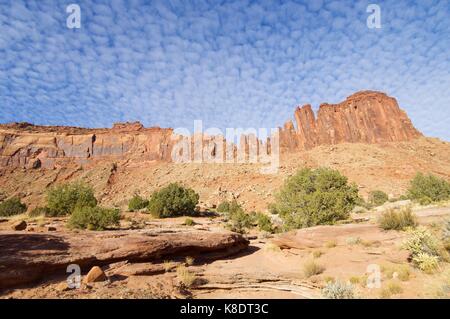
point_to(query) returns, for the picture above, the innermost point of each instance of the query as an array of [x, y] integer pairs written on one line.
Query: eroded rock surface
[[33, 256]]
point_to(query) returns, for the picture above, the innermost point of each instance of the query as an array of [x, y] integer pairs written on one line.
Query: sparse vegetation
[[12, 206], [425, 262], [391, 288], [398, 220], [189, 222], [401, 272], [239, 221], [331, 244], [315, 197], [223, 207], [94, 218], [317, 253], [136, 203], [62, 200], [353, 240], [338, 290], [173, 200], [378, 198], [428, 188], [264, 223], [39, 211], [186, 277], [189, 260], [425, 249], [311, 268], [167, 264]]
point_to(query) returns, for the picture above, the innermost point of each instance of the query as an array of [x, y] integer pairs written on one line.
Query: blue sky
[[228, 63]]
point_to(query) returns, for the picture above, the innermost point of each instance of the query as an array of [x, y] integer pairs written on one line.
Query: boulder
[[96, 274], [19, 225]]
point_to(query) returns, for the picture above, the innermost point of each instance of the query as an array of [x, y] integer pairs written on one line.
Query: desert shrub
[[397, 220], [239, 221], [12, 206], [39, 211], [425, 262], [136, 203], [94, 218], [62, 200], [428, 188], [189, 222], [331, 243], [314, 197], [264, 222], [377, 198], [353, 240], [173, 200], [2, 196], [223, 207], [424, 248], [311, 268], [338, 290]]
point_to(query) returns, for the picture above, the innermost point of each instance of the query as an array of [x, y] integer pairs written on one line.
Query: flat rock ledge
[[31, 257]]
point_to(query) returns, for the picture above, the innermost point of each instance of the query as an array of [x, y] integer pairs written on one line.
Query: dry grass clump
[[167, 265], [186, 277], [338, 290], [401, 272], [398, 220], [391, 288], [317, 254], [331, 243], [189, 260], [311, 268]]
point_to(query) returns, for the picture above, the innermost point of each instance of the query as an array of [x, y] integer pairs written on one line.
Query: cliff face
[[365, 117]]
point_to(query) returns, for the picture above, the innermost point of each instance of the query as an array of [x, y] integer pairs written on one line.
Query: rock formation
[[33, 256], [364, 117]]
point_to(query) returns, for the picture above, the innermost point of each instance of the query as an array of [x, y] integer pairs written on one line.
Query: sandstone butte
[[364, 117]]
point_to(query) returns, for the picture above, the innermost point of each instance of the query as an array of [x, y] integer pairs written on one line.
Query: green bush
[[239, 221], [136, 203], [39, 211], [264, 223], [428, 188], [12, 206], [173, 200], [62, 200], [378, 198], [94, 218], [398, 220], [189, 222], [223, 207], [315, 197]]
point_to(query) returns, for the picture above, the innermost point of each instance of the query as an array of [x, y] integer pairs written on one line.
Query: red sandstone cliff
[[365, 117]]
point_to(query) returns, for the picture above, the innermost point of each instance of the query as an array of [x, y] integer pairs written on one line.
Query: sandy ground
[[265, 270]]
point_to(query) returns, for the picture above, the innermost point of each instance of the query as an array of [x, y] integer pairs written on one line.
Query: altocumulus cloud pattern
[[229, 63]]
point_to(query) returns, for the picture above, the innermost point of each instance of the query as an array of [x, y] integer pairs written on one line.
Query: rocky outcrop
[[29, 257], [365, 117]]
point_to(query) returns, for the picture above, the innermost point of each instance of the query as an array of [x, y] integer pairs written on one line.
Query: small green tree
[[173, 200], [378, 198], [223, 207], [264, 222], [137, 203], [12, 206], [314, 197], [62, 200], [428, 188], [94, 218]]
